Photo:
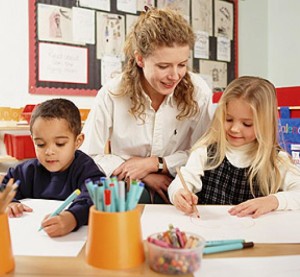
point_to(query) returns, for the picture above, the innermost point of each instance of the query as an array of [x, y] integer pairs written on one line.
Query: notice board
[[76, 45]]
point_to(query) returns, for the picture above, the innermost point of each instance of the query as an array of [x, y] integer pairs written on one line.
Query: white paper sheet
[[28, 241], [216, 223], [62, 63], [248, 267], [83, 25]]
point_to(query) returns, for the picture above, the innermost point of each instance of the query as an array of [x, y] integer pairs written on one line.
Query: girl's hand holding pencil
[[184, 199], [7, 193]]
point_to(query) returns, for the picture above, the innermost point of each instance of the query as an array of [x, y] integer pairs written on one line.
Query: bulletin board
[[73, 49]]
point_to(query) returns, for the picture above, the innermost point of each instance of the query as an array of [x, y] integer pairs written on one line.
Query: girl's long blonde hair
[[260, 94], [157, 28]]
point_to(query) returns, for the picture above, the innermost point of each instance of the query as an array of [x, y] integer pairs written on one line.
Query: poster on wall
[[110, 35], [62, 63], [202, 16], [54, 23], [218, 71], [224, 19]]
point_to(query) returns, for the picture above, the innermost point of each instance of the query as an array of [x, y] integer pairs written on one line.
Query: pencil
[[187, 189]]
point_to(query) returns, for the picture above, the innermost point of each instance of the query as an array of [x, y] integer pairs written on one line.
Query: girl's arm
[[288, 198], [191, 173]]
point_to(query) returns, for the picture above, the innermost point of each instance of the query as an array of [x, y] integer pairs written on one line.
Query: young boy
[[59, 169]]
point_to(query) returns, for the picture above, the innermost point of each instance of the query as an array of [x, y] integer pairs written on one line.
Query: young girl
[[239, 161], [155, 110]]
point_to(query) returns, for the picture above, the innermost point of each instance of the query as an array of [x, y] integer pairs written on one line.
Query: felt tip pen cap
[[77, 191], [107, 197]]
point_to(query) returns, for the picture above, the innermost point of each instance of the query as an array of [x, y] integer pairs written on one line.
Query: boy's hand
[[16, 209], [255, 207], [59, 225], [184, 200]]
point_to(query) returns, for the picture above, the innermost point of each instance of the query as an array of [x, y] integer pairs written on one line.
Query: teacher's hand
[[159, 184], [136, 168]]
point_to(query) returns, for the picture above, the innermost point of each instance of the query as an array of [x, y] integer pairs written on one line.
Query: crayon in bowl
[[175, 252]]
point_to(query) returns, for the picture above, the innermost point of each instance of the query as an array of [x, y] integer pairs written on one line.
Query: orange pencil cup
[[7, 262], [114, 239]]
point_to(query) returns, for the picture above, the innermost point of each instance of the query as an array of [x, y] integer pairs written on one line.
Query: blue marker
[[222, 242], [113, 207], [227, 247], [100, 197], [64, 204], [136, 196], [114, 180], [90, 187], [131, 196]]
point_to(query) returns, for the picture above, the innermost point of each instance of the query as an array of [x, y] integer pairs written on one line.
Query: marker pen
[[96, 196], [114, 180], [136, 195], [101, 193], [90, 187], [105, 182], [99, 197], [131, 196], [227, 247], [121, 196], [107, 200], [113, 198], [222, 242]]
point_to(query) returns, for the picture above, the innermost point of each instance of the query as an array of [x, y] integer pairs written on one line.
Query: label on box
[[295, 151]]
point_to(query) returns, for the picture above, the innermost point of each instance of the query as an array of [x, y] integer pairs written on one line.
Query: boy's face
[[54, 143]]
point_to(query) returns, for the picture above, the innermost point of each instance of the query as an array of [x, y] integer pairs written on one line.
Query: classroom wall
[[253, 38], [284, 41], [269, 40], [268, 47]]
